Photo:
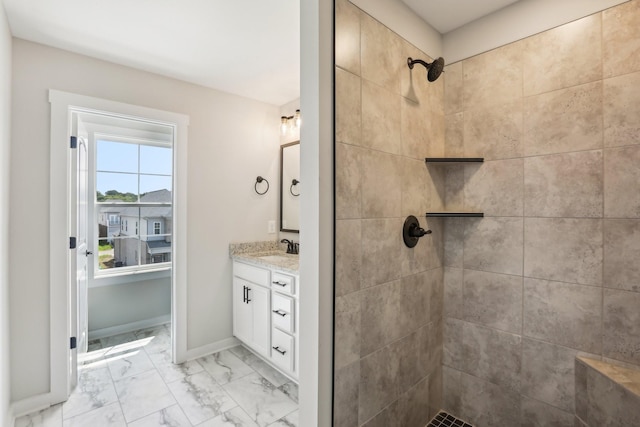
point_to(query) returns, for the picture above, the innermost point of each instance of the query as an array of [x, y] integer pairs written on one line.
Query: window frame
[[132, 272]]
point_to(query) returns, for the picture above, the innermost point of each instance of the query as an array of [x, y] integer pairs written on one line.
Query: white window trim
[[59, 253]]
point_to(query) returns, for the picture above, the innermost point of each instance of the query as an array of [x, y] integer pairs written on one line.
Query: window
[[133, 182]]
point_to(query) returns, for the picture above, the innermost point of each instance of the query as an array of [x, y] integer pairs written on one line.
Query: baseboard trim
[[214, 347], [129, 327], [29, 405]]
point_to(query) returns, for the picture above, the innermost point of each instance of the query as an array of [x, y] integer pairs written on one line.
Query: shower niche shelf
[[455, 214], [452, 160]]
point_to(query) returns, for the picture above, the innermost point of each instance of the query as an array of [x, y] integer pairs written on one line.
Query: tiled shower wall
[[553, 270], [388, 325]]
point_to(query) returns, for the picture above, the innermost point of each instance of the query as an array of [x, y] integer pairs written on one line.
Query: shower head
[[434, 69]]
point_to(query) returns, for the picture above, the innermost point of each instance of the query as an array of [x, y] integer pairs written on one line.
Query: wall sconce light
[[289, 123]]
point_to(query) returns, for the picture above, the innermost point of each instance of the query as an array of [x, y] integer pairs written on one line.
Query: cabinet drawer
[[253, 274], [282, 313], [283, 283], [282, 346]]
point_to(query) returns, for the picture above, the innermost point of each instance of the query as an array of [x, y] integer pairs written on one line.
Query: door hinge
[[72, 242], [73, 141], [73, 343]]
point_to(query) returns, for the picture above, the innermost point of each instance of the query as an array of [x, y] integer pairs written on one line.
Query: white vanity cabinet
[[265, 314]]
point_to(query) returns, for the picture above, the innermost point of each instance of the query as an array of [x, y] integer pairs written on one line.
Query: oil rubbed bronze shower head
[[434, 69]]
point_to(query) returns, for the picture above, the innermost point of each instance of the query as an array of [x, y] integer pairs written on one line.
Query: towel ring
[[259, 179], [294, 182]]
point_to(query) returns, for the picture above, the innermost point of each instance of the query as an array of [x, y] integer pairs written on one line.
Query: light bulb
[[283, 125], [298, 119]]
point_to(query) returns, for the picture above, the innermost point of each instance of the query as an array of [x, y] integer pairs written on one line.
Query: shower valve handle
[[418, 231]]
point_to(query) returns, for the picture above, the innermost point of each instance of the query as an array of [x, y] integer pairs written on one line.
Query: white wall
[[231, 141], [5, 138]]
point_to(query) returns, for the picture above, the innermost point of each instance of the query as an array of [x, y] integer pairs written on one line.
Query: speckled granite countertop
[[268, 254]]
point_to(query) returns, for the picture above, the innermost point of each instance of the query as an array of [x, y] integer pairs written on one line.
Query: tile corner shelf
[[452, 160], [455, 214]]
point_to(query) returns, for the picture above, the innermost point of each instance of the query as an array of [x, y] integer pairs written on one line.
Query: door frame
[[60, 227]]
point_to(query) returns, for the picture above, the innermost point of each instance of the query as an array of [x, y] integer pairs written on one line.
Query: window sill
[[110, 279]]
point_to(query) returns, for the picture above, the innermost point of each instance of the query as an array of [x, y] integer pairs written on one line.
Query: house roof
[[158, 196]]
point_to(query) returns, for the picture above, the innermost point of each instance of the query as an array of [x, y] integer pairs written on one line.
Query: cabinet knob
[[282, 352]]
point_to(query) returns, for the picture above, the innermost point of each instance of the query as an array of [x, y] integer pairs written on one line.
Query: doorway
[[131, 206]]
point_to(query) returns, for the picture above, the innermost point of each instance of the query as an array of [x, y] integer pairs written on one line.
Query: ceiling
[[249, 48], [448, 15]]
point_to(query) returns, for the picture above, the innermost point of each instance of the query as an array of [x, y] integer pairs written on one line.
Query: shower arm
[[411, 62]]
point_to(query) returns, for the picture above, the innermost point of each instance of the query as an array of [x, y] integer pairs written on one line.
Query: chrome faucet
[[292, 247]]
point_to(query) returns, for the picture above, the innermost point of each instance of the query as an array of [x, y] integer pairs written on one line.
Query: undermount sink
[[276, 258]]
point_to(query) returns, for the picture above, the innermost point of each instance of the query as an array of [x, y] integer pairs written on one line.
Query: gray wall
[[552, 271], [5, 138], [231, 141], [388, 324], [124, 303]]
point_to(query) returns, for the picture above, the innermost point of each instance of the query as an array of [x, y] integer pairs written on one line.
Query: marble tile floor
[[128, 380]]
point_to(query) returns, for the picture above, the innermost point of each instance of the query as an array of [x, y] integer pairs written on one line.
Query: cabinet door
[[242, 312], [260, 306]]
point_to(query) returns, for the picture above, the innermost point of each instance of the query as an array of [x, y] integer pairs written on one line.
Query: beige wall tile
[[548, 373], [452, 390], [565, 56], [621, 326], [493, 244], [348, 181], [435, 280], [381, 239], [389, 417], [564, 120], [493, 78], [486, 404], [621, 178], [622, 110], [381, 55], [453, 285], [563, 249], [493, 300], [621, 39], [453, 355], [347, 36], [494, 133], [564, 185], [379, 321], [345, 399], [563, 313], [539, 414], [381, 116], [454, 135], [348, 108], [428, 254], [453, 91], [621, 254], [610, 403], [381, 185], [453, 187], [492, 355], [414, 405], [416, 124], [348, 256], [410, 370], [454, 242], [415, 295], [378, 383], [347, 330], [415, 188], [435, 392], [494, 187]]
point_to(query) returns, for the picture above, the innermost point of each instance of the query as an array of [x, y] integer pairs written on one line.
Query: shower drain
[[442, 419]]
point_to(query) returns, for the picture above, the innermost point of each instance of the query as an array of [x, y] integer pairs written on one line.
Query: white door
[[78, 277], [242, 312]]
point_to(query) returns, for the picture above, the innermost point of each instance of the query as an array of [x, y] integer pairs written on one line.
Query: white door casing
[[63, 262]]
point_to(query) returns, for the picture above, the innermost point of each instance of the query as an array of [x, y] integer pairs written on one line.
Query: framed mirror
[[290, 187]]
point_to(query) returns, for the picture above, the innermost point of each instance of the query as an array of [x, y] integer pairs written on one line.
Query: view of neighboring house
[[142, 233]]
